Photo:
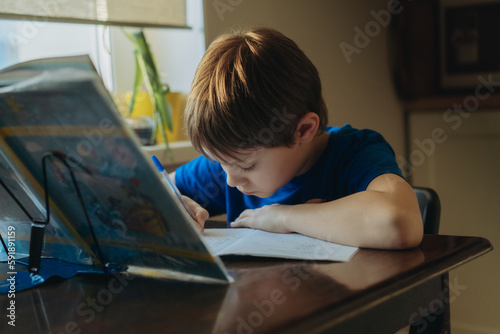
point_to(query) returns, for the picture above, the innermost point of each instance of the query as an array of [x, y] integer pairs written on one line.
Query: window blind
[[139, 13]]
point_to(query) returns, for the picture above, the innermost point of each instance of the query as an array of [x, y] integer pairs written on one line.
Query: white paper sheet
[[244, 241]]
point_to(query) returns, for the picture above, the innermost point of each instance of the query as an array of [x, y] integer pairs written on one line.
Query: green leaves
[[147, 74]]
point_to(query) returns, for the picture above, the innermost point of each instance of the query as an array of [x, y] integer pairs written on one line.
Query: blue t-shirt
[[351, 160]]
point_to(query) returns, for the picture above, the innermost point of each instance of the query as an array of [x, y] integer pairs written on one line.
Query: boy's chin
[[258, 194]]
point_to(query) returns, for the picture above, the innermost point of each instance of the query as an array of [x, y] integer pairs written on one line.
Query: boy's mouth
[[245, 192]]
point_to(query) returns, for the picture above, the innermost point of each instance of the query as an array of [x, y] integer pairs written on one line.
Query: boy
[[256, 113]]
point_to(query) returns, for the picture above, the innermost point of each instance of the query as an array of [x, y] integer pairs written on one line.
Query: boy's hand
[[268, 218], [200, 213]]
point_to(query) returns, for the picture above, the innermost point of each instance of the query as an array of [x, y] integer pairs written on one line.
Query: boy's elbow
[[408, 229]]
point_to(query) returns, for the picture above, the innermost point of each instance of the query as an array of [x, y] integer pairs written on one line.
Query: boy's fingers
[[201, 216], [235, 224], [241, 221], [200, 213]]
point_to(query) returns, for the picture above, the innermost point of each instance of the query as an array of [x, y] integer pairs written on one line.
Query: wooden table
[[376, 292]]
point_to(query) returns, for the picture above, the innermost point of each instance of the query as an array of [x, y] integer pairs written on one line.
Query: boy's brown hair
[[250, 90]]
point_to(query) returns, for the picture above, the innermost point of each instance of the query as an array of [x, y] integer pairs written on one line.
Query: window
[[177, 50], [24, 40]]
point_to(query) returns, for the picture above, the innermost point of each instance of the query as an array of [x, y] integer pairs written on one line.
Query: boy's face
[[264, 170]]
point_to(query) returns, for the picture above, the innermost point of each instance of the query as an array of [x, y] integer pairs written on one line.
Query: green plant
[[146, 74]]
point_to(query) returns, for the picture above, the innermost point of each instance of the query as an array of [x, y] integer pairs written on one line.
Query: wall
[[462, 166], [358, 91]]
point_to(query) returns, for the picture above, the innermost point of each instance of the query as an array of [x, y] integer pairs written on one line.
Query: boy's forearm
[[369, 219]]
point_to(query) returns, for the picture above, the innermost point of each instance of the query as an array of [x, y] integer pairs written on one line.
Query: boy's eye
[[248, 169]]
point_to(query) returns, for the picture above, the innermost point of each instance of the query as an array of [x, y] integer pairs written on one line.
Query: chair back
[[430, 208]]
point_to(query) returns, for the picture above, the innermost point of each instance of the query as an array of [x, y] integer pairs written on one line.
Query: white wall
[[360, 92]]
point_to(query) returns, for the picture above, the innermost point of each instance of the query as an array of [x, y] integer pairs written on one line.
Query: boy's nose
[[234, 181]]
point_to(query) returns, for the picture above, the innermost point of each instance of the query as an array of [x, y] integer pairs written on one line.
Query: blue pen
[[172, 186]]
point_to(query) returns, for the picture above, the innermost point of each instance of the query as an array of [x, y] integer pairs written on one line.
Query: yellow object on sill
[[144, 107]]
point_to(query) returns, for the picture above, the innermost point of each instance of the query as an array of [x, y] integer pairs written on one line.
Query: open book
[[107, 206], [244, 241]]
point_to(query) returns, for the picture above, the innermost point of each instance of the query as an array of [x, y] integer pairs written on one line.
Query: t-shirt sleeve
[[204, 182], [367, 155]]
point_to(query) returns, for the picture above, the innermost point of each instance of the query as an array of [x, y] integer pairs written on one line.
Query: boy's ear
[[307, 127]]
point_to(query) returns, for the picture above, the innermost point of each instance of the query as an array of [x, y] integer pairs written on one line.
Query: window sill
[[182, 152]]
